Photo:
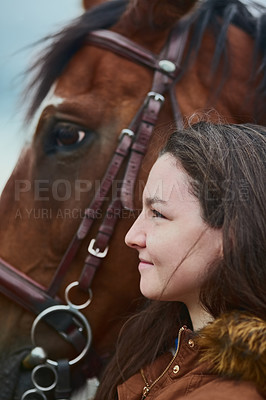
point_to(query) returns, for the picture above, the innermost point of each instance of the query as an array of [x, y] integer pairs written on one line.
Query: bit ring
[[77, 315]]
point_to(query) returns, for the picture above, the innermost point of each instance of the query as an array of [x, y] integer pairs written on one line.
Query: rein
[[133, 143]]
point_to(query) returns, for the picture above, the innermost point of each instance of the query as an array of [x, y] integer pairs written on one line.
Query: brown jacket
[[225, 361]]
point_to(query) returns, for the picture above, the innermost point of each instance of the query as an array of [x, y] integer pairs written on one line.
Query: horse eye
[[67, 135]]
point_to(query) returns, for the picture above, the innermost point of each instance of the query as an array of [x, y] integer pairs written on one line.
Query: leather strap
[[23, 290], [173, 52], [124, 47], [101, 243], [139, 149], [33, 297], [63, 386], [91, 212]]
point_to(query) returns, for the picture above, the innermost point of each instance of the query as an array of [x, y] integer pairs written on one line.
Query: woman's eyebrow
[[149, 201]]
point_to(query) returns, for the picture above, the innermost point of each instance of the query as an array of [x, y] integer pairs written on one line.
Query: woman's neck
[[199, 317]]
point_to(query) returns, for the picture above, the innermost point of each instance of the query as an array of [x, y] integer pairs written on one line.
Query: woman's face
[[175, 245]]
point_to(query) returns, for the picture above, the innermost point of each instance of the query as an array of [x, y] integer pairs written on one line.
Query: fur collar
[[235, 345]]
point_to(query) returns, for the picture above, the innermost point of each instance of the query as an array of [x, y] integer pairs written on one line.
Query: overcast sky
[[22, 22]]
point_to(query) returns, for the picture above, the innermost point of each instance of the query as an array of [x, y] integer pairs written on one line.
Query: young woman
[[201, 244]]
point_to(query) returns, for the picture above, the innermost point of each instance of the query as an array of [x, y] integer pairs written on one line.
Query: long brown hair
[[226, 164]]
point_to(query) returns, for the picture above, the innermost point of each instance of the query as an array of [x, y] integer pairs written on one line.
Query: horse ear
[[91, 3]]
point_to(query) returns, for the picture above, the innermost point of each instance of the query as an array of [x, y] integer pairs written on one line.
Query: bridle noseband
[[134, 140]]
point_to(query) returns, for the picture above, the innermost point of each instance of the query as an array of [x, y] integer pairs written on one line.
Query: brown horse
[[92, 90]]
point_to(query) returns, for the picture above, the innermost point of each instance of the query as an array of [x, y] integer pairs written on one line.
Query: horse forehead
[[51, 99], [94, 69], [97, 80]]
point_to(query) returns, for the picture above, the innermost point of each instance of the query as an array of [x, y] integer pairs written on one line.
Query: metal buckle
[[97, 252], [127, 132], [156, 96]]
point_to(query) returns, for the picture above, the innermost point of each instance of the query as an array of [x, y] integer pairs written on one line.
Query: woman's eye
[[156, 214], [67, 135]]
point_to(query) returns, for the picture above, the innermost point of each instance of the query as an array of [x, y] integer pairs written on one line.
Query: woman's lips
[[143, 264]]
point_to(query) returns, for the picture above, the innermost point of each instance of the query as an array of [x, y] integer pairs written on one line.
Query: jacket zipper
[[147, 388]]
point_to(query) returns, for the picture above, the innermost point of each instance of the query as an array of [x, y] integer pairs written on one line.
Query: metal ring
[[27, 395], [77, 314], [77, 306], [34, 377]]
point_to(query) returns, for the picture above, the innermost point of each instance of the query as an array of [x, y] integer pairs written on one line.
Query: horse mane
[[64, 44], [216, 15]]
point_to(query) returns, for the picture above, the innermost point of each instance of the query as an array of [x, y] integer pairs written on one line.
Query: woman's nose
[[136, 237]]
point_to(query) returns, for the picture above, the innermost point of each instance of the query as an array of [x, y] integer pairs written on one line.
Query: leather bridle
[[67, 320]]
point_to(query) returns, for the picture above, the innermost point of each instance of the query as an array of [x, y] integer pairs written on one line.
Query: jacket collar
[[235, 347]]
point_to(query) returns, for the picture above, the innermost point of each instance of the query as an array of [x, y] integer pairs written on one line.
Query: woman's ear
[[91, 3]]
